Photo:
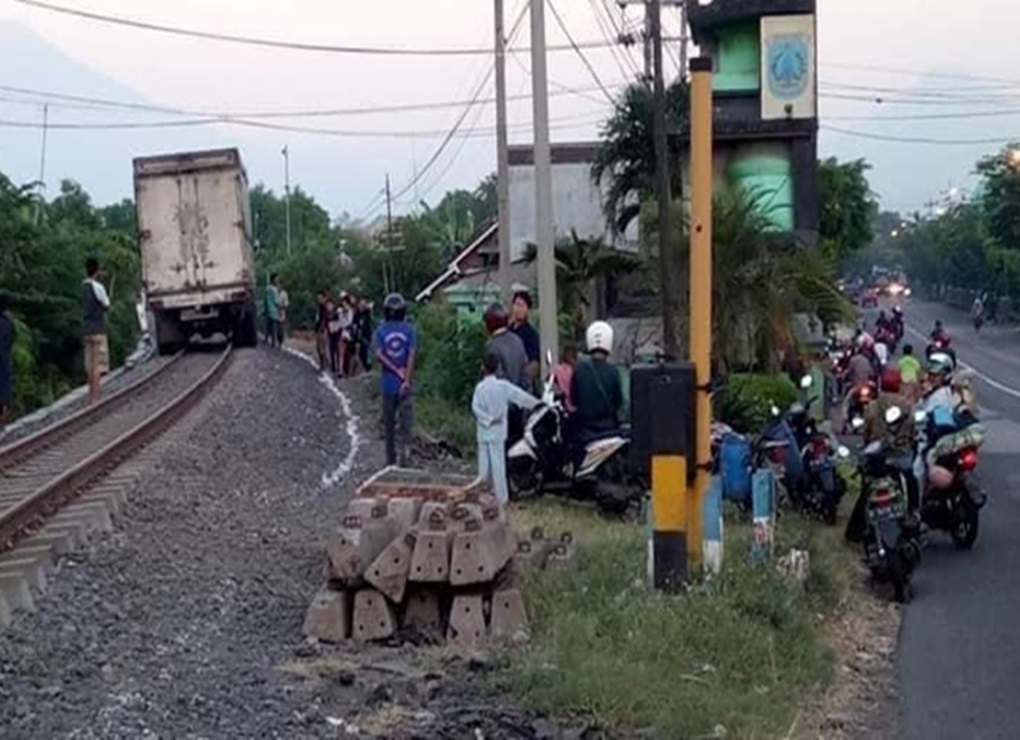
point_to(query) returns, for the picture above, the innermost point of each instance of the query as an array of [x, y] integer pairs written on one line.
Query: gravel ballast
[[176, 625]]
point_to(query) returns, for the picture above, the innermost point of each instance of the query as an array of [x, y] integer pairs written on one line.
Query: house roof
[[453, 270]]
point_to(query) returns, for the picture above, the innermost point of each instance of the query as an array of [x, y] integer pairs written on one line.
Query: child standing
[[490, 405]]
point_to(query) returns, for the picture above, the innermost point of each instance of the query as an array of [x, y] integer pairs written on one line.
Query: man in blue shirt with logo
[[395, 349]]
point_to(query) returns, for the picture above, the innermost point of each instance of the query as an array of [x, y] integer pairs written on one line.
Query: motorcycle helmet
[[892, 381], [394, 307], [940, 364], [599, 337], [495, 318], [897, 311], [865, 341]]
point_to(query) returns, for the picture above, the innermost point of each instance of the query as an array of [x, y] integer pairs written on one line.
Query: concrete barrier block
[[329, 616], [509, 618], [430, 561], [531, 554], [357, 545], [362, 508], [434, 516], [480, 553], [467, 622], [374, 617], [465, 516], [405, 512], [563, 554], [388, 573], [423, 609]]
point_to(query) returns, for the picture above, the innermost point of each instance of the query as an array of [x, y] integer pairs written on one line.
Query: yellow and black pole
[[701, 297]]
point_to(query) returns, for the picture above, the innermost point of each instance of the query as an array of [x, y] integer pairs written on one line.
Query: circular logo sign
[[788, 65]]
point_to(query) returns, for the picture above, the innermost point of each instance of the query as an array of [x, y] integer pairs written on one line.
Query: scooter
[[891, 550], [954, 498], [821, 487], [541, 461]]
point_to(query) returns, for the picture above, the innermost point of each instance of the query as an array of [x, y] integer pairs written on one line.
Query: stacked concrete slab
[[414, 552]]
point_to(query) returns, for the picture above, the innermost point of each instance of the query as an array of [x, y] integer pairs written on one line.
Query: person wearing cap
[[520, 324], [396, 345]]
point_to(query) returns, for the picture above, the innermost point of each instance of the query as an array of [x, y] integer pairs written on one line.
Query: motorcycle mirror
[[548, 357], [806, 382], [775, 410], [893, 414], [856, 423]]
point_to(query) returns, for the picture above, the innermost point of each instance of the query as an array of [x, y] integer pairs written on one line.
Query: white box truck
[[195, 240]]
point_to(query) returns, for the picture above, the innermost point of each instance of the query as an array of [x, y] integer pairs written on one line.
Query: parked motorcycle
[[890, 548], [954, 498], [542, 461], [822, 487]]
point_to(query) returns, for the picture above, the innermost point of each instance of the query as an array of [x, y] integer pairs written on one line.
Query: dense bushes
[[746, 401]]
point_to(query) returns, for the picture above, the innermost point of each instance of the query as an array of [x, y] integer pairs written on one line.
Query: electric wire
[[580, 53], [918, 139], [126, 22]]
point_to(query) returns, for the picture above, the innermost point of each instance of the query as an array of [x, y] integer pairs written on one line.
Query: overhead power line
[[278, 44], [577, 49], [94, 102], [918, 139]]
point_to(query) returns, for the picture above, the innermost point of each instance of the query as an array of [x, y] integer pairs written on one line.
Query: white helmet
[[600, 337]]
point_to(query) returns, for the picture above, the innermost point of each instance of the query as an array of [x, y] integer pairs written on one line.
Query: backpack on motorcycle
[[735, 456]]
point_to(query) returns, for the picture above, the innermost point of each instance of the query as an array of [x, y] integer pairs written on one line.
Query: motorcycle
[[541, 460], [822, 487], [860, 397], [941, 345], [954, 498], [891, 549]]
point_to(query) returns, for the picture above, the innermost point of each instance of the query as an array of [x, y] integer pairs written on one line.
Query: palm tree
[[625, 161], [762, 278], [580, 265]]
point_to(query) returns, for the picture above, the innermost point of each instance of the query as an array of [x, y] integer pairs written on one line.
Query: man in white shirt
[[95, 304]]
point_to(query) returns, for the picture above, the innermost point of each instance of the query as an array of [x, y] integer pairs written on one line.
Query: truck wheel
[[246, 332]]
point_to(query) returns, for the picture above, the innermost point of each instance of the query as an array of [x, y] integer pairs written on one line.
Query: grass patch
[[440, 419], [741, 653]]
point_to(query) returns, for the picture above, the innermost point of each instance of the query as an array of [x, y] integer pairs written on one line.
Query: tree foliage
[[625, 161], [848, 207], [43, 247], [1000, 195]]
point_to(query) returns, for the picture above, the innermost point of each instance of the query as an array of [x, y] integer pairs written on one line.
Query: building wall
[[577, 205], [737, 54]]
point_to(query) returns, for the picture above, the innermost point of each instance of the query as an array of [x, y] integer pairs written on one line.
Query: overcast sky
[[900, 40]]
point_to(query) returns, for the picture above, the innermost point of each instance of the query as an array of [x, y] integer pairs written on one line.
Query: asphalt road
[[959, 657]]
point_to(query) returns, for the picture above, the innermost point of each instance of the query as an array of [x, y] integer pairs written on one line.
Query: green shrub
[[450, 353], [746, 401]]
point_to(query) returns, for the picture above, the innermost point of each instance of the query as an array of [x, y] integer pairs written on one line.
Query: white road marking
[[347, 464], [976, 373]]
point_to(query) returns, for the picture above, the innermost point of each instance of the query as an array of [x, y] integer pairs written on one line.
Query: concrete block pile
[[412, 554]]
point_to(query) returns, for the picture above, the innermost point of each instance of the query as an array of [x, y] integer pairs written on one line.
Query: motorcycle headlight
[[843, 452]]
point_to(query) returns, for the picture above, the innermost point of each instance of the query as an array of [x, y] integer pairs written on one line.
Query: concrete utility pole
[[387, 242], [701, 292], [502, 156], [668, 267], [545, 230], [286, 180], [649, 35]]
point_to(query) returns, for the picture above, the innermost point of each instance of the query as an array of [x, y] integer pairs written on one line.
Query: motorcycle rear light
[[820, 448], [882, 498], [969, 459]]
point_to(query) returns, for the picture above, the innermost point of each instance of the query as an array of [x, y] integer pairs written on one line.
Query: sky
[[921, 62]]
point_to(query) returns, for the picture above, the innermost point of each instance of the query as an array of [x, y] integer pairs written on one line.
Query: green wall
[[738, 54], [770, 177]]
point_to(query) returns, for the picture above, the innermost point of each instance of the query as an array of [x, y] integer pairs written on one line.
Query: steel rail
[[26, 447], [57, 491]]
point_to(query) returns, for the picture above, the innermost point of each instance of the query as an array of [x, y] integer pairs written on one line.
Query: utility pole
[[42, 162], [502, 156], [387, 243], [668, 267], [286, 180], [545, 230], [649, 35], [685, 37], [701, 293]]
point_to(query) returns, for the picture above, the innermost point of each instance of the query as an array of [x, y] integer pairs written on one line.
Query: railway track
[[47, 471]]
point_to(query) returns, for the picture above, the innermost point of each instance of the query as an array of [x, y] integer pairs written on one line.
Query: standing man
[[284, 300], [6, 362], [273, 311], [321, 330], [521, 326], [396, 345], [95, 304]]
